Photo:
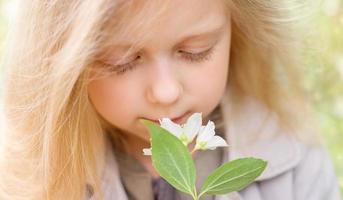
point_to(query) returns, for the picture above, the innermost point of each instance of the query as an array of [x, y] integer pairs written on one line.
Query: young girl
[[81, 73]]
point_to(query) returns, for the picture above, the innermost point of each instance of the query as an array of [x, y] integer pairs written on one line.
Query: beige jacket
[[295, 171]]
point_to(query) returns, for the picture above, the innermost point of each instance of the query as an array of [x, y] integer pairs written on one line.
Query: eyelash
[[197, 57], [126, 67], [191, 57]]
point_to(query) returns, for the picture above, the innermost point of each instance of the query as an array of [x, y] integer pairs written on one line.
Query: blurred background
[[324, 72]]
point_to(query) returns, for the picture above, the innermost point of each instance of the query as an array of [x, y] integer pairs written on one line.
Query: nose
[[165, 87]]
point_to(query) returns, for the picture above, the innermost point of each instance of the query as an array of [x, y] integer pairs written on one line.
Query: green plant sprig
[[173, 161]]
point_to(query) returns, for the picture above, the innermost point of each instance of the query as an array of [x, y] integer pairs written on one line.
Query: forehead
[[141, 22]]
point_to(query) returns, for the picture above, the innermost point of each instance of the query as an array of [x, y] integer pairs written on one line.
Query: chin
[[142, 135]]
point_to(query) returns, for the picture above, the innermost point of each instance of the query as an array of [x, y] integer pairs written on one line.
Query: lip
[[177, 120]]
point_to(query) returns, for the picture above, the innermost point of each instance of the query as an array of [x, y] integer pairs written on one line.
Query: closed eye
[[196, 57], [188, 56], [122, 68]]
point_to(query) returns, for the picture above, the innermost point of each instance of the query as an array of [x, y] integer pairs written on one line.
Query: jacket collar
[[255, 132]]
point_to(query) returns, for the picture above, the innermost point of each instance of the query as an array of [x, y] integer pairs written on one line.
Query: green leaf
[[233, 176], [171, 159]]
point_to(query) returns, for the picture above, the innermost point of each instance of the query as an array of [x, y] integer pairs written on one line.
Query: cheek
[[212, 76], [111, 102], [212, 82], [209, 83]]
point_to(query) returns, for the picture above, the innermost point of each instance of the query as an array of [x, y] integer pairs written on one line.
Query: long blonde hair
[[53, 141]]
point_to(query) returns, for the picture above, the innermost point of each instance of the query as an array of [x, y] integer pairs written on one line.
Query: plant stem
[[195, 194], [194, 150]]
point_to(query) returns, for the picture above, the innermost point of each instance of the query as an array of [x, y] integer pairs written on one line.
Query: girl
[[81, 73]]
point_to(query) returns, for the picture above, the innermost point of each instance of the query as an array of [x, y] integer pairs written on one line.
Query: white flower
[[207, 139], [186, 132], [147, 151]]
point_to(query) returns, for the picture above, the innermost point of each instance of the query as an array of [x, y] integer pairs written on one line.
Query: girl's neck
[[134, 147]]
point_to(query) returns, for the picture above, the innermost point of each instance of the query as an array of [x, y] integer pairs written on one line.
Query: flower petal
[[216, 141], [170, 126], [192, 126], [206, 132], [147, 151]]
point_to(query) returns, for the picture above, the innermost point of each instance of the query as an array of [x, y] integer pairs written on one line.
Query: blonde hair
[[53, 139]]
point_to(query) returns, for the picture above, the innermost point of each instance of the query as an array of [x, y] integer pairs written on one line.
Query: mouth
[[177, 120]]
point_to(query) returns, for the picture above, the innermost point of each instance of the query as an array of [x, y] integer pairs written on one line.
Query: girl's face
[[181, 68]]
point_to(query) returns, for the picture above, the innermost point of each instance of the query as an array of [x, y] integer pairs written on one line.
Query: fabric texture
[[163, 190]]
